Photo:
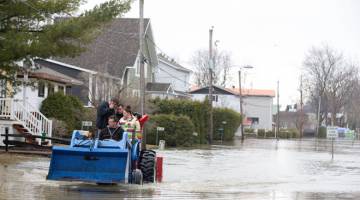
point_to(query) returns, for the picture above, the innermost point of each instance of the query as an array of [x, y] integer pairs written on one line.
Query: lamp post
[[241, 101]]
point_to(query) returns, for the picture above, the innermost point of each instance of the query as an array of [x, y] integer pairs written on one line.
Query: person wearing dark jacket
[[119, 112], [112, 131], [104, 111]]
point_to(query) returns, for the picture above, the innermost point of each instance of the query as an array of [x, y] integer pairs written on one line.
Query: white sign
[[331, 132], [86, 123], [160, 128]]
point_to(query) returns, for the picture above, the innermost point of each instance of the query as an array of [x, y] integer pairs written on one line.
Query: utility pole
[[142, 70], [318, 117], [278, 114], [210, 87], [241, 109], [301, 109]]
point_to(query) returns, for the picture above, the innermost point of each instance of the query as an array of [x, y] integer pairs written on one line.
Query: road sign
[[86, 123], [331, 132], [160, 128]]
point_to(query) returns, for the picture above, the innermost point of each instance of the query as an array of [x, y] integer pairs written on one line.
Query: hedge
[[62, 107], [178, 130], [232, 120], [198, 112]]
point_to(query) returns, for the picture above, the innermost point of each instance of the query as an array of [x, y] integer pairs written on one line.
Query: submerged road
[[256, 169]]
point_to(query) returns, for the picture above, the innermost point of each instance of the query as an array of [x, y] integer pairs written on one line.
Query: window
[[254, 120], [61, 88], [41, 89], [2, 88], [68, 90], [51, 89]]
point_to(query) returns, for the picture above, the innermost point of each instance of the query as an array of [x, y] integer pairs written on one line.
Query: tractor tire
[[147, 165]]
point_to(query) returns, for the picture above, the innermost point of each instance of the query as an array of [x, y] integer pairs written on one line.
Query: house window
[[2, 88], [60, 88], [41, 89], [51, 89], [254, 120], [68, 90]]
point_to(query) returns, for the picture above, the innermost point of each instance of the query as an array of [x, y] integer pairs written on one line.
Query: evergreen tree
[[43, 28]]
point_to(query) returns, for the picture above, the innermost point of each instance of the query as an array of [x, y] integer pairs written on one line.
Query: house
[[20, 109], [257, 104], [110, 65], [170, 72]]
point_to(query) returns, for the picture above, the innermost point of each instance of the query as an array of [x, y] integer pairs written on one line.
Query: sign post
[[331, 132], [86, 124], [157, 133]]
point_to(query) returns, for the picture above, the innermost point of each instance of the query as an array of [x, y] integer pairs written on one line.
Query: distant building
[[171, 79], [257, 104]]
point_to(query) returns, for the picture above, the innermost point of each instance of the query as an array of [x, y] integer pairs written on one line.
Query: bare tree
[[222, 64], [329, 78]]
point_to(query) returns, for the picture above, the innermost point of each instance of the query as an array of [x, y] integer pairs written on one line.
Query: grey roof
[[217, 90], [52, 75], [163, 57], [114, 48], [158, 87]]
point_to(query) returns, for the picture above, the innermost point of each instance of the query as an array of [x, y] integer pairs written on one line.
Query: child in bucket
[[112, 131]]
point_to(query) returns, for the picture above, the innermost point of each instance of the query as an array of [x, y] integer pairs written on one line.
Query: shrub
[[65, 108], [270, 134], [232, 120], [322, 132], [178, 130], [198, 112], [249, 130], [293, 133], [59, 129], [261, 133]]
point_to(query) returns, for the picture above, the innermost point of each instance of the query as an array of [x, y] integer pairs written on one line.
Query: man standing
[[104, 111], [119, 112]]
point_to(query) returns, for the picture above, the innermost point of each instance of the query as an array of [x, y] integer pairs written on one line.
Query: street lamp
[[241, 101]]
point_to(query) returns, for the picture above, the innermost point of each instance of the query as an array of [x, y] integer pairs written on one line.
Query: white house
[[171, 80], [169, 71], [257, 104]]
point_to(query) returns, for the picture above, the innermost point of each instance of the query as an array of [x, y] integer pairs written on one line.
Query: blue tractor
[[102, 161]]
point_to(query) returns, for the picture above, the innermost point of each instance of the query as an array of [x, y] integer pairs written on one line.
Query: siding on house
[[256, 107], [168, 71]]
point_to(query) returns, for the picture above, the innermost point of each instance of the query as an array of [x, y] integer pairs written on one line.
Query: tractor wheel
[[147, 165]]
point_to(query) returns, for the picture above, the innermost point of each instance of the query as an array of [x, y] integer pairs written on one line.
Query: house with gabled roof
[[110, 64], [171, 80], [257, 104]]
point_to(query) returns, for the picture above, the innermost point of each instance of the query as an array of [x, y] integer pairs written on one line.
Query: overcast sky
[[271, 35]]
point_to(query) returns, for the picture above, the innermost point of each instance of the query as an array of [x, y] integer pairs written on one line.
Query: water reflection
[[255, 169]]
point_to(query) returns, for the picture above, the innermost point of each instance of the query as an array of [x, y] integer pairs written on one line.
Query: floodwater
[[255, 169]]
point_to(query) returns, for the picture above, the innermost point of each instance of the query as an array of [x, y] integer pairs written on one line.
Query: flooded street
[[256, 169]]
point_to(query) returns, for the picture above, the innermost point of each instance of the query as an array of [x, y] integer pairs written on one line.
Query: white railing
[[5, 107], [30, 117]]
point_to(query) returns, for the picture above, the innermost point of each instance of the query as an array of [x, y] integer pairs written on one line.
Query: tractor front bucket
[[100, 165]]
